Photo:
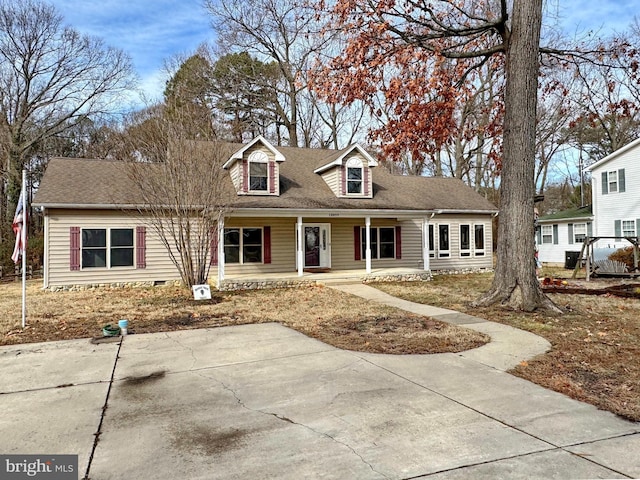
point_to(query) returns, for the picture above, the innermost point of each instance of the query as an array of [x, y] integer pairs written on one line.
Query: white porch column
[[425, 243], [220, 251], [300, 248], [367, 223]]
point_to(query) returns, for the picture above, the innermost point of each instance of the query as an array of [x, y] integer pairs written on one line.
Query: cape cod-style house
[[296, 214]]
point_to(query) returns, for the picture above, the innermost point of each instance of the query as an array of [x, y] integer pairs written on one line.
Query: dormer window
[[354, 176], [258, 175]]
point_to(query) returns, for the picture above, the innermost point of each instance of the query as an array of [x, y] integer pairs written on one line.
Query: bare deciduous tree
[[181, 184], [51, 78]]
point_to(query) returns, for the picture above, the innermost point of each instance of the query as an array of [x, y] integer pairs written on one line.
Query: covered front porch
[[308, 277]]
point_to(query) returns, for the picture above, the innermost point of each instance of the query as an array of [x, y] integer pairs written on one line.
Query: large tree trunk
[[515, 281]]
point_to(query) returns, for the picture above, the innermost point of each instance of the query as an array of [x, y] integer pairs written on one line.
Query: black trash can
[[571, 259]]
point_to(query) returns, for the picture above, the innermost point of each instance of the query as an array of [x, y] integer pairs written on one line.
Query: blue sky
[[152, 31]]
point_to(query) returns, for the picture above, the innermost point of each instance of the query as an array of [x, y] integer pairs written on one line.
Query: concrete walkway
[[263, 401], [508, 347]]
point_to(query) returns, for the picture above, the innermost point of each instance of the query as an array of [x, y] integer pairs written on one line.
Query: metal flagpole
[[23, 233]]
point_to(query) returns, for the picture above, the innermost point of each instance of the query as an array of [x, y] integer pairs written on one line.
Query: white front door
[[317, 245]]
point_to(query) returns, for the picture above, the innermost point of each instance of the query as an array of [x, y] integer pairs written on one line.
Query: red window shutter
[[356, 243], [141, 247], [343, 173], [398, 243], [267, 244], [245, 175], [272, 176], [74, 248], [366, 180], [214, 246]]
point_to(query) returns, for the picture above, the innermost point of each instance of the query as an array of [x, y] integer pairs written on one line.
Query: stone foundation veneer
[[231, 285]]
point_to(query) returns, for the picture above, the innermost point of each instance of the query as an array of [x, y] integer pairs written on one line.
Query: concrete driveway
[[263, 401]]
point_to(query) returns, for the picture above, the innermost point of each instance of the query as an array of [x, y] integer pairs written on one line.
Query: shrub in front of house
[[624, 255]]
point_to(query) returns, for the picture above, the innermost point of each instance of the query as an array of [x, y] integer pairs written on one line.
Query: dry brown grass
[[331, 316], [595, 344]]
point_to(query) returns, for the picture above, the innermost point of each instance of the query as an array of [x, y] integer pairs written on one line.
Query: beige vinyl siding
[[283, 246], [159, 265], [332, 179], [342, 244], [236, 175], [455, 261]]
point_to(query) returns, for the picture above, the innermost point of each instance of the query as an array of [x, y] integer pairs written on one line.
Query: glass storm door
[[316, 246]]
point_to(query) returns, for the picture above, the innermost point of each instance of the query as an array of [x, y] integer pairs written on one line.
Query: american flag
[[18, 225]]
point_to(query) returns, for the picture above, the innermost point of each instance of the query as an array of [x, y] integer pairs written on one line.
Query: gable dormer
[[255, 168], [348, 173]]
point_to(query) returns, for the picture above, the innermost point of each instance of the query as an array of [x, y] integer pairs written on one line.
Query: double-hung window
[[103, 247], [628, 228], [432, 243], [383, 242], [465, 240], [547, 233], [355, 177], [478, 237], [613, 181], [443, 241], [243, 245], [579, 232], [612, 178], [258, 172]]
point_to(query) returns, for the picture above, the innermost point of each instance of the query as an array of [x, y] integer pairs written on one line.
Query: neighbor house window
[[443, 241], [478, 238], [243, 245], [613, 181], [465, 240], [547, 234], [258, 176], [579, 232], [103, 247], [383, 242], [628, 228]]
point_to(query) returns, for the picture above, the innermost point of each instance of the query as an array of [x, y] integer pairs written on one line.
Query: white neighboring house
[[616, 197], [559, 236]]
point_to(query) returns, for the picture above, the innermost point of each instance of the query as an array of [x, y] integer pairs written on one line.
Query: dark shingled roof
[[71, 182], [579, 212]]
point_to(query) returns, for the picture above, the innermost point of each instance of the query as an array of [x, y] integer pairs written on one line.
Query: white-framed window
[[628, 228], [243, 245], [383, 242], [432, 242], [547, 233], [478, 239], [579, 232], [444, 249], [465, 240], [355, 177], [258, 172], [106, 247], [612, 180]]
